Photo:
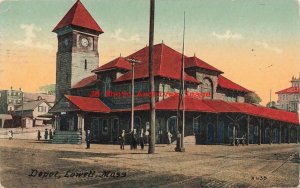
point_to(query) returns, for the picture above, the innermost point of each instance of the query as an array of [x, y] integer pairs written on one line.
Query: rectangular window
[[85, 64], [104, 126], [40, 108]]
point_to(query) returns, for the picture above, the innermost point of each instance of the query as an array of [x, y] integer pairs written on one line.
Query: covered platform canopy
[[219, 106]]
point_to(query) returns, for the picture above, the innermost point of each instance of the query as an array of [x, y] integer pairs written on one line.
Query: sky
[[256, 43]]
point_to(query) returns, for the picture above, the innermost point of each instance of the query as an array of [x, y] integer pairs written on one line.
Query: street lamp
[[133, 62]]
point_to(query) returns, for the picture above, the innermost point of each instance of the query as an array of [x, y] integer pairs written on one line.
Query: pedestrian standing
[[9, 135], [12, 134], [122, 140], [146, 136], [88, 139], [169, 137], [46, 134], [39, 135], [135, 138], [50, 134], [142, 139]]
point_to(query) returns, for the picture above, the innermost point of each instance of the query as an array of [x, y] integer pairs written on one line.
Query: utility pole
[[151, 148], [133, 62], [270, 96], [180, 147], [22, 109], [183, 87]]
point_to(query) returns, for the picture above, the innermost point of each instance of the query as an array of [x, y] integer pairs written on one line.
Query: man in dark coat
[[88, 139], [39, 135], [50, 134], [46, 134], [142, 141]]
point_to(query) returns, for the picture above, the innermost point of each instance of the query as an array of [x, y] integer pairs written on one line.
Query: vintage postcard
[[149, 93]]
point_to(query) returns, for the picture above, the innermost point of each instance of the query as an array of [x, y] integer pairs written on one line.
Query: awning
[[5, 116]]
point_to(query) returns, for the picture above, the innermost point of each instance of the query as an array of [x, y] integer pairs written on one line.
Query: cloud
[[268, 47], [30, 36], [117, 35], [227, 35], [1, 1]]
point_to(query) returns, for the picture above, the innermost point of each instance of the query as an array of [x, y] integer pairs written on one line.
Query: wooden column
[[233, 134], [81, 126], [280, 133], [289, 134], [297, 134], [216, 130], [271, 133], [248, 127], [57, 122], [260, 124], [82, 130]]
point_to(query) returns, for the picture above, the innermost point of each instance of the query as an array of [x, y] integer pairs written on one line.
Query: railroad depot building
[[99, 98]]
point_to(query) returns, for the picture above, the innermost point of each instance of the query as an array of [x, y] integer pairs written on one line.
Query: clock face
[[84, 42]]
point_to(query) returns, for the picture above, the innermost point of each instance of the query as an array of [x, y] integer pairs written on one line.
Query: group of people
[[135, 139], [46, 135]]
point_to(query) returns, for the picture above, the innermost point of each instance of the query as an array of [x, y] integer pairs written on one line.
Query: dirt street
[[27, 163]]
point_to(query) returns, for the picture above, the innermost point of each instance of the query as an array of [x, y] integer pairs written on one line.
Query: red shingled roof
[[79, 16], [166, 63], [85, 82], [171, 104], [289, 90], [88, 104], [228, 84], [218, 106], [196, 62], [265, 112], [118, 63]]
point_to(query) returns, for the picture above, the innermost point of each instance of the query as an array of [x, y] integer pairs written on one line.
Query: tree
[[252, 98], [48, 89], [271, 104]]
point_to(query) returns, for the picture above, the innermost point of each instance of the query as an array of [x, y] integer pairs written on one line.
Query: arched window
[[207, 88], [171, 125]]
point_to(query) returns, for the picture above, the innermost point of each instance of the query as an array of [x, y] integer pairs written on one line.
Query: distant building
[[288, 99], [11, 107], [50, 99], [31, 112], [10, 100]]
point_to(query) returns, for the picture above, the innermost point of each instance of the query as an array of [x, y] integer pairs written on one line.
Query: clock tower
[[77, 53]]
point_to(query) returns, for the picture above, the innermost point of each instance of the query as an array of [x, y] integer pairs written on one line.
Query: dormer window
[[107, 84], [207, 88]]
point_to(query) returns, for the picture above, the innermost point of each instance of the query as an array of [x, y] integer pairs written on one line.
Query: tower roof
[[78, 16]]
